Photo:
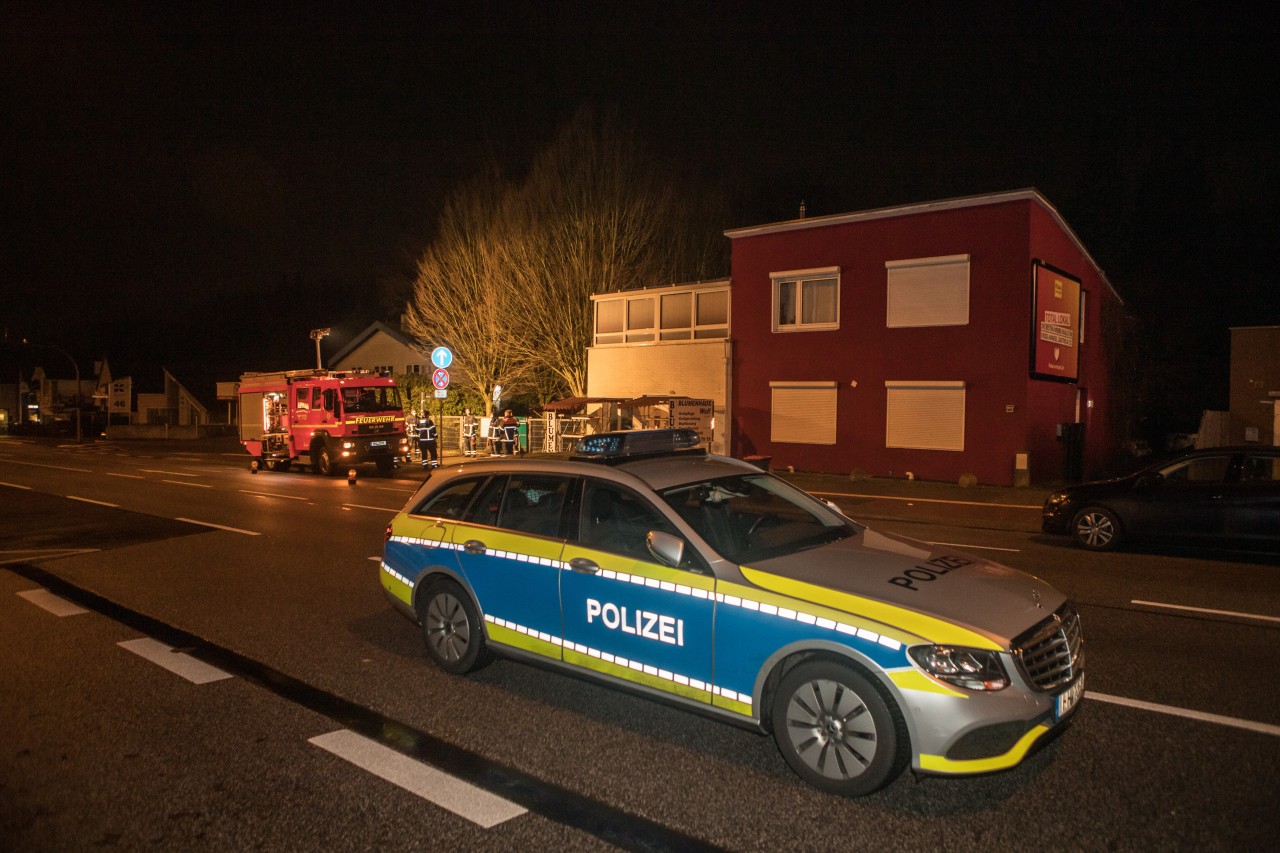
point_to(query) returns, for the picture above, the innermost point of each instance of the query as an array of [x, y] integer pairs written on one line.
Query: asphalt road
[[1177, 745]]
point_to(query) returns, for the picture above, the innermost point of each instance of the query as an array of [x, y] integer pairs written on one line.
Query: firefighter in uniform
[[510, 428], [469, 428], [495, 436], [427, 441]]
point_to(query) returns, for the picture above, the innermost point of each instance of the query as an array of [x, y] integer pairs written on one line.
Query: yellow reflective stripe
[[928, 627], [531, 641], [396, 584], [941, 764], [743, 708], [910, 679], [639, 676], [784, 607], [628, 569]]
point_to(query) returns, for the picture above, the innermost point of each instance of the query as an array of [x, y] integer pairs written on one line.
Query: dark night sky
[[198, 189]]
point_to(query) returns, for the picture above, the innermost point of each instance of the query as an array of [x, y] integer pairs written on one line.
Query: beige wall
[[382, 350], [1255, 373], [698, 369]]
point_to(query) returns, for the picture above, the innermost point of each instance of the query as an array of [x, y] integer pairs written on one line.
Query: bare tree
[[596, 214], [463, 295], [508, 281]]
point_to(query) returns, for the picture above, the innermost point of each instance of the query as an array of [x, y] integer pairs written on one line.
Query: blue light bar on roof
[[640, 442]]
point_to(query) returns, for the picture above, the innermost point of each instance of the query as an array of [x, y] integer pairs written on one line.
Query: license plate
[[1064, 702], [377, 444]]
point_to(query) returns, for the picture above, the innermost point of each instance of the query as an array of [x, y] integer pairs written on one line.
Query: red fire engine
[[334, 419]]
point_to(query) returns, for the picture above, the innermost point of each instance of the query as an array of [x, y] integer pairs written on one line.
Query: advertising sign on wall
[[1055, 325], [696, 415]]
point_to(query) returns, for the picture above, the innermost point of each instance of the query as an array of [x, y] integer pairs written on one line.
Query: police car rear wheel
[[451, 629], [837, 730]]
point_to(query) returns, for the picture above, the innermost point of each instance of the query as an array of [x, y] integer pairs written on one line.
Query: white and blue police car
[[649, 564]]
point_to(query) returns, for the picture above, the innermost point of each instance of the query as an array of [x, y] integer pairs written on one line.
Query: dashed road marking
[[449, 792], [183, 483], [219, 526], [46, 600], [1202, 716], [91, 501], [273, 495], [1208, 610], [195, 671], [378, 508]]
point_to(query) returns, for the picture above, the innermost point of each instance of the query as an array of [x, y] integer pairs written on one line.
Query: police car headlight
[[972, 669]]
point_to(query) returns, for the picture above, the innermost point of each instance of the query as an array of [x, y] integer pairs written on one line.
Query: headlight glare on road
[[972, 669]]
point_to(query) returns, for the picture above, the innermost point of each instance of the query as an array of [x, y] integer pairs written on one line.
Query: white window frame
[[819, 398], [919, 292], [799, 277], [944, 424]]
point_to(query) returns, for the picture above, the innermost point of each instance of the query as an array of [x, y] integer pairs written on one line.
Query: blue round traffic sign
[[441, 357]]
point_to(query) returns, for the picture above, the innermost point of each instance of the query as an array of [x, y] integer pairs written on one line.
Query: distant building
[[966, 336], [1255, 385], [380, 348], [662, 342]]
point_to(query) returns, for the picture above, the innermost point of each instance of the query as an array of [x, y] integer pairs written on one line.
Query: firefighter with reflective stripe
[[470, 427], [427, 441], [510, 429], [495, 436]]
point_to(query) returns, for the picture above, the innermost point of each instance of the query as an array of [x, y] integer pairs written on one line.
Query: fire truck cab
[[330, 419]]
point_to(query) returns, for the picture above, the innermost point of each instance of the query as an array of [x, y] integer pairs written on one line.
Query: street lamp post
[[316, 335]]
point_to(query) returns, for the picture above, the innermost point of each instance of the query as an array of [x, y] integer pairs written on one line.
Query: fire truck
[[330, 419]]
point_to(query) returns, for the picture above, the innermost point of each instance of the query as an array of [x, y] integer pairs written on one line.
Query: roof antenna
[[802, 208]]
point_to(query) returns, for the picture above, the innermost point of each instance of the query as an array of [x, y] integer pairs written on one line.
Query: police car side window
[[617, 520], [451, 501]]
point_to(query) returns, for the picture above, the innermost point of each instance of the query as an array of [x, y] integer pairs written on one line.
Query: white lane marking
[[1208, 610], [272, 495], [91, 501], [170, 473], [130, 476], [46, 600], [31, 554], [195, 671], [16, 486], [401, 491], [378, 508], [449, 792], [926, 500], [978, 547], [219, 526], [1219, 719], [181, 483], [54, 467]]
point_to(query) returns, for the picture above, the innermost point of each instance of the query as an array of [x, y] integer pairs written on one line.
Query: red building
[[967, 336]]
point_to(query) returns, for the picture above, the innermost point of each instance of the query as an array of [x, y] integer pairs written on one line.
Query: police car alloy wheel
[[451, 629], [836, 729], [1096, 528]]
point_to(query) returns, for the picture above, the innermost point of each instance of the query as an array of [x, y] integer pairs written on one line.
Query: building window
[[640, 319], [803, 413], [674, 314], [928, 292], [924, 415], [806, 300], [413, 369]]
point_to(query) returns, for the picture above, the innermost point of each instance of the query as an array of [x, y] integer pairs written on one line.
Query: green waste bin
[[522, 434]]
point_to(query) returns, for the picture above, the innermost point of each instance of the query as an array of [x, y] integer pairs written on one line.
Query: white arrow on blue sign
[[441, 357]]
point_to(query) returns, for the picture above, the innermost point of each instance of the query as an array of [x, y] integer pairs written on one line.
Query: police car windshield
[[370, 399], [752, 517]]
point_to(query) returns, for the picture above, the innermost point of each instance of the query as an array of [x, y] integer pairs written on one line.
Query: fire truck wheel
[[322, 461], [278, 464]]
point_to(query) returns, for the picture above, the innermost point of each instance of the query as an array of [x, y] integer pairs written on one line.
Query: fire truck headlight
[[347, 445]]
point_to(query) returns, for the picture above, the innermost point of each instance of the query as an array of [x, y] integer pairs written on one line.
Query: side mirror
[[665, 548]]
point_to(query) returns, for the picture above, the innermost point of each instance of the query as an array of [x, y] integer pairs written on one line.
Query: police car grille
[[1053, 652]]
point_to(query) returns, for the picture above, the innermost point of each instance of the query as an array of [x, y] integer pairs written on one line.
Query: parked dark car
[[1227, 495]]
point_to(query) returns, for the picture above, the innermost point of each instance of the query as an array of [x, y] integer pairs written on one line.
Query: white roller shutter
[[803, 413], [928, 292], [925, 415]]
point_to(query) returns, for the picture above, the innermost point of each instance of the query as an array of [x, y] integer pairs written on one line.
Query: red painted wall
[[990, 354]]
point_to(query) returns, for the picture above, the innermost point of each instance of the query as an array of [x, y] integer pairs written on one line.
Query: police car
[[649, 564]]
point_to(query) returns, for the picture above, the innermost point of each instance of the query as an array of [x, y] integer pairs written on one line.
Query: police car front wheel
[[837, 730], [451, 628]]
